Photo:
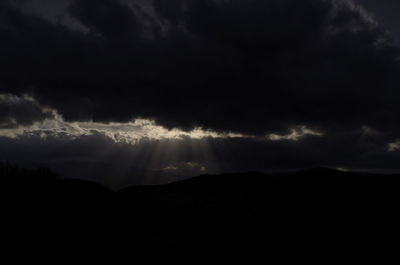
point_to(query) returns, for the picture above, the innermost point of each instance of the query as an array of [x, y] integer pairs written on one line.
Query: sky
[[131, 92], [386, 13]]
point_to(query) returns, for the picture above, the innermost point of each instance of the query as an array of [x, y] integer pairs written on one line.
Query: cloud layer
[[245, 66], [97, 156], [20, 111], [259, 84]]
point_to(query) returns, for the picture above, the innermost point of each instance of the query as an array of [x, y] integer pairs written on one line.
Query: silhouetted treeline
[[9, 171]]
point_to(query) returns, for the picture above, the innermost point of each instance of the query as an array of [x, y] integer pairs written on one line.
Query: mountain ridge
[[318, 205]]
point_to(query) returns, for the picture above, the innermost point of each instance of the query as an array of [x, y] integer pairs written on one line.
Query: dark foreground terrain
[[316, 207]]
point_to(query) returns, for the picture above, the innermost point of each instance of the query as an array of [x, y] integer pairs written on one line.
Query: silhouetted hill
[[309, 207], [317, 204]]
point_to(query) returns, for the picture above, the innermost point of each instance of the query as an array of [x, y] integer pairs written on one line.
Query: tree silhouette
[[9, 172]]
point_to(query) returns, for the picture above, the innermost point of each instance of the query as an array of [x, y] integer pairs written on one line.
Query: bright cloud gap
[[294, 135], [49, 123], [395, 146], [129, 132]]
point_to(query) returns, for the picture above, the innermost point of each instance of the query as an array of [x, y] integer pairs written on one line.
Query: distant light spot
[[395, 146]]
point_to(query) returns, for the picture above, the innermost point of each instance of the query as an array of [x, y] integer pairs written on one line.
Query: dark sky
[[387, 13], [117, 89]]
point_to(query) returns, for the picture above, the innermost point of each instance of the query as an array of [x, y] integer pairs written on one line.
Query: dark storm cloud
[[20, 111], [387, 13], [111, 19], [246, 66]]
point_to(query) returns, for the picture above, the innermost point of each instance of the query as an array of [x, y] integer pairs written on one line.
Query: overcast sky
[[135, 91], [386, 12]]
